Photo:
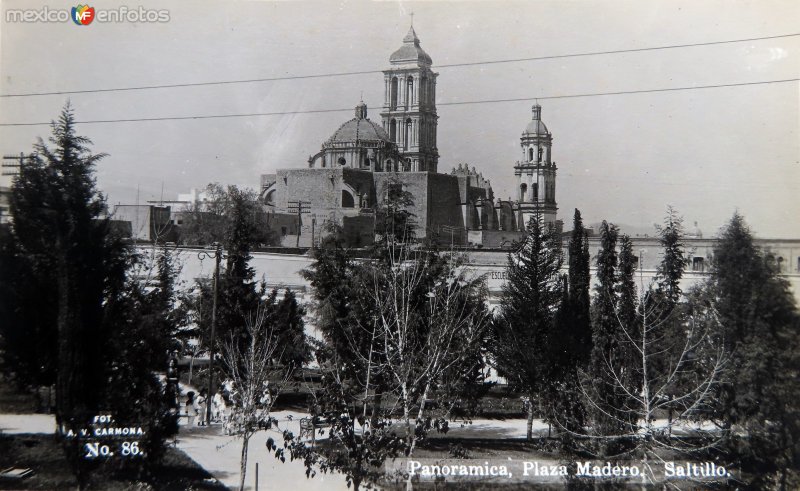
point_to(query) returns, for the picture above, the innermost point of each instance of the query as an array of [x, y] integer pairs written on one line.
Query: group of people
[[196, 408]]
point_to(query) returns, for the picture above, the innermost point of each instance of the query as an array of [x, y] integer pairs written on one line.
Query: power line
[[456, 103], [366, 72]]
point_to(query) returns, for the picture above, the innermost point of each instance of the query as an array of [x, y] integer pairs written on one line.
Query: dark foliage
[[100, 335], [759, 322], [525, 345], [215, 219], [606, 335]]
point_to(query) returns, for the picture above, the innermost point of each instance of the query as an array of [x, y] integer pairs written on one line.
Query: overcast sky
[[623, 158]]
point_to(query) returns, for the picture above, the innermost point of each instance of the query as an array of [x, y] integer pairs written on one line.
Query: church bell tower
[[536, 172], [409, 108]]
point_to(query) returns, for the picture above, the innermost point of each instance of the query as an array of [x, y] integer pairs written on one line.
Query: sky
[[622, 158]]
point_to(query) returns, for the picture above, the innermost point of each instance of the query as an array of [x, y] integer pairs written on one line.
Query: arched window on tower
[[410, 96], [535, 191], [393, 94], [423, 89], [407, 134], [393, 131], [539, 158], [523, 192], [530, 154]]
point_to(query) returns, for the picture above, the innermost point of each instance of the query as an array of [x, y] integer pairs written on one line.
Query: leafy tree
[[29, 309], [211, 220], [237, 289], [394, 220], [523, 343], [289, 329], [57, 223], [759, 322], [399, 328], [105, 333], [141, 326]]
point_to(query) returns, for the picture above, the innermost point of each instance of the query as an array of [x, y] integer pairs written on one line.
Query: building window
[[780, 264], [347, 200], [535, 191], [698, 264], [393, 131], [539, 158], [530, 154], [523, 192], [393, 94], [410, 99], [342, 161], [283, 232]]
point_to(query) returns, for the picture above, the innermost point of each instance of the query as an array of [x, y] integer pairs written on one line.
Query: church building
[[350, 176]]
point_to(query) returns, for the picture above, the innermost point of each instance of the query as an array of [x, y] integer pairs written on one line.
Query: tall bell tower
[[409, 108], [536, 172]]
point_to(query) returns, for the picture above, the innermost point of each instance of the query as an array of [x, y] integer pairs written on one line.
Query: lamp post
[[217, 258]]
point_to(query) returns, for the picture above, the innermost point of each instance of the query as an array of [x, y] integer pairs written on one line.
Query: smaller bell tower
[[536, 172]]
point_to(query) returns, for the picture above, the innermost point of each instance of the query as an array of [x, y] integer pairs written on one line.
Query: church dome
[[410, 51], [359, 129], [536, 126]]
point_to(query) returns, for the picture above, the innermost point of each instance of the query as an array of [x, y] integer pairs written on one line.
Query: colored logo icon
[[83, 15]]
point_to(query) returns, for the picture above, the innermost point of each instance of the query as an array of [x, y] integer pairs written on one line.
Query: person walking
[[219, 406], [200, 408], [190, 409]]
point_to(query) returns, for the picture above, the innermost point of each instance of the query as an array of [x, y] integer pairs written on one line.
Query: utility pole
[[18, 162], [217, 258], [301, 208]]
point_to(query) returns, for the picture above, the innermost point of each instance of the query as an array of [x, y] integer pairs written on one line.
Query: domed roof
[[359, 129], [410, 51], [536, 126]]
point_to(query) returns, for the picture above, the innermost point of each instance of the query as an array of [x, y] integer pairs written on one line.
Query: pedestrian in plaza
[[219, 406], [190, 409], [200, 405]]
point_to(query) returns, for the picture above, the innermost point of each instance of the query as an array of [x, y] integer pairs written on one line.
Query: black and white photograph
[[333, 245]]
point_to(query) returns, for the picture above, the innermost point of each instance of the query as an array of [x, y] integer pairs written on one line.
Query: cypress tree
[[605, 337], [579, 298], [629, 323], [673, 261]]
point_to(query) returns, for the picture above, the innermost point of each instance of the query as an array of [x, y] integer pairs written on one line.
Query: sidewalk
[[14, 424], [220, 454]]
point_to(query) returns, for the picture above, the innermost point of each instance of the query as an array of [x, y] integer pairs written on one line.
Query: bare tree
[[429, 314], [670, 375], [252, 371]]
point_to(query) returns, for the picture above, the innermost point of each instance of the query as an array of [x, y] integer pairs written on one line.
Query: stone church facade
[[349, 177]]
